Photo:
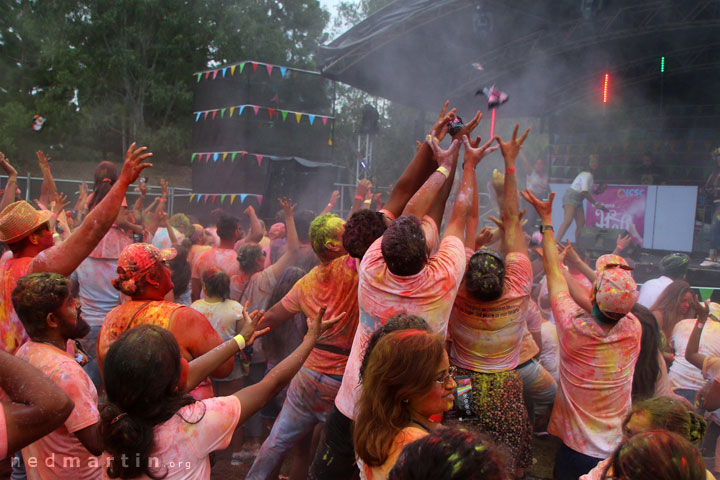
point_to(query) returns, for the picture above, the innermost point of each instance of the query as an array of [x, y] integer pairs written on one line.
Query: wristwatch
[[546, 228]]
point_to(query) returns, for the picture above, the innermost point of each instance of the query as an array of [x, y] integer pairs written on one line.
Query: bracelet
[[444, 171], [510, 171], [367, 201], [359, 197], [546, 228], [240, 341], [699, 325], [619, 247]]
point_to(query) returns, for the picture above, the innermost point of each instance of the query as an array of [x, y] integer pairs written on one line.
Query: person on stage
[[573, 199]]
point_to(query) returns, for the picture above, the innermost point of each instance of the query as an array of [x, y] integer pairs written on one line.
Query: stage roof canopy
[[548, 55]]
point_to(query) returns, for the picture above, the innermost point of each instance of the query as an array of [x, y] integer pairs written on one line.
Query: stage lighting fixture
[[605, 87], [662, 64]]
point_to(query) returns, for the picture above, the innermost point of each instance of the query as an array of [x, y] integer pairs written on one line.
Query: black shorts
[[335, 457]]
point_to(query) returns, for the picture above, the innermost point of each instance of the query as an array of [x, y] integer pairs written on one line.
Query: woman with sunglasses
[[405, 382]]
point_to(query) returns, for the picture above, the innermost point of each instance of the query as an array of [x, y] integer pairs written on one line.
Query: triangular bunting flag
[[259, 159], [282, 71], [232, 199], [199, 197], [214, 197], [242, 67], [298, 116], [224, 156], [232, 109], [222, 112], [214, 74], [222, 198], [324, 119], [207, 75], [242, 107], [199, 76], [259, 199], [207, 158], [232, 70], [284, 114], [205, 116], [197, 116], [224, 71], [243, 196], [271, 112], [256, 109], [330, 141], [232, 158], [215, 157], [192, 159], [311, 118], [254, 65], [705, 293], [206, 197], [269, 69], [243, 153], [192, 196], [214, 114]]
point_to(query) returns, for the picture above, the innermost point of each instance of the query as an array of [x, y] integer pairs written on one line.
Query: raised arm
[[254, 397], [48, 189], [37, 406], [426, 195], [420, 168], [692, 350], [11, 185], [514, 238], [80, 204], [331, 204], [551, 257], [140, 202], [293, 243], [256, 232], [66, 257], [473, 156], [361, 190]]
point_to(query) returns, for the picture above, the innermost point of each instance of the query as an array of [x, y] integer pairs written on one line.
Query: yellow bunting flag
[[232, 109], [224, 157], [232, 70], [192, 196], [298, 116], [232, 198]]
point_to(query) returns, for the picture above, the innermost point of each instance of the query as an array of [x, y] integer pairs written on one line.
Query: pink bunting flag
[[214, 74], [205, 199], [207, 157], [269, 69], [256, 109], [324, 119], [205, 116], [259, 159], [259, 198]]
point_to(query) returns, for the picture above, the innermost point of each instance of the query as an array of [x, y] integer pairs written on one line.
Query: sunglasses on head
[[618, 265]]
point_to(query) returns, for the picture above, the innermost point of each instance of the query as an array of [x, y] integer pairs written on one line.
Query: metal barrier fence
[[30, 190]]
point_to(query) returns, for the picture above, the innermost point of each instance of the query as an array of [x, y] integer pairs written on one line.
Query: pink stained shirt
[[182, 445], [382, 294], [596, 372], [12, 332], [222, 258], [60, 454], [486, 336], [533, 321], [334, 284]]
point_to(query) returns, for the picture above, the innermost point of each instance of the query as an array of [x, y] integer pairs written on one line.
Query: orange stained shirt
[[12, 332]]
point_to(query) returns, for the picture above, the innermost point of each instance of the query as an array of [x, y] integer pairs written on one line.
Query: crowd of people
[[387, 345]]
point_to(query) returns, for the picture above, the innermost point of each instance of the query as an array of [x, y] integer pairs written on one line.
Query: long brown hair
[[402, 365], [669, 304]]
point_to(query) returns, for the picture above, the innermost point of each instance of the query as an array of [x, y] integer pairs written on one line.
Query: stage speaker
[[602, 239], [370, 117]]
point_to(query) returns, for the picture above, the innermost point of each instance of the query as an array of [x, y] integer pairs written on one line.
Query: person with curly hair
[[453, 454]]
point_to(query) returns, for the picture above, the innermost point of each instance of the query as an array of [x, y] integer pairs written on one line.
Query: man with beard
[[51, 317]]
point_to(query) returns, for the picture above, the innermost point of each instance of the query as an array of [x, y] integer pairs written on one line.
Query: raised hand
[[544, 209], [572, 259], [377, 198], [444, 158], [469, 127], [249, 211], [133, 163], [287, 205], [142, 188], [334, 196], [83, 189], [43, 160], [623, 241], [316, 325], [702, 309], [511, 149], [473, 155], [483, 237], [251, 321], [363, 187], [442, 124], [7, 168], [60, 203], [163, 187]]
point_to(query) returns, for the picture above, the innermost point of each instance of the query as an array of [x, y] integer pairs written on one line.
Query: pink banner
[[626, 205]]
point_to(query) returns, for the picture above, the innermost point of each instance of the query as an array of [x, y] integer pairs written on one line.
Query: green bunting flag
[[284, 114], [705, 293]]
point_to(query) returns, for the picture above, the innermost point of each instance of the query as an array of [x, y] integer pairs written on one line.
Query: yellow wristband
[[240, 341], [444, 171]]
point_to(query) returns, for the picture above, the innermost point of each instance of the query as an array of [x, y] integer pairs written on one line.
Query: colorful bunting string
[[256, 109], [199, 156], [213, 197], [269, 67]]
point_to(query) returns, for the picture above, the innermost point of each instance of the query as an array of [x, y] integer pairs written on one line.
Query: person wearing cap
[[673, 267], [25, 230], [143, 275], [487, 324], [598, 352]]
